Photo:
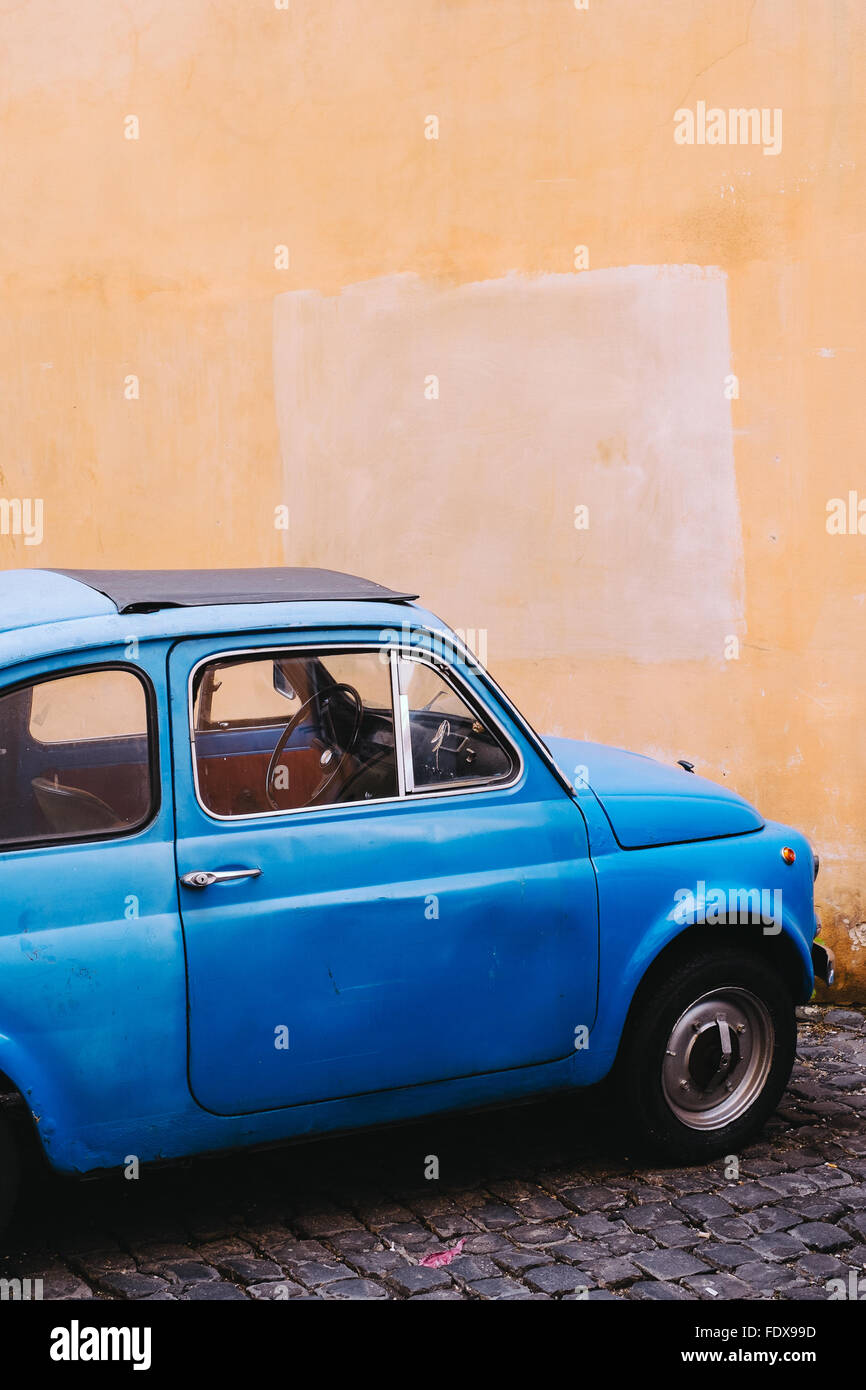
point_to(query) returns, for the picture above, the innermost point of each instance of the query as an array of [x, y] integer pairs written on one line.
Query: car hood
[[648, 802]]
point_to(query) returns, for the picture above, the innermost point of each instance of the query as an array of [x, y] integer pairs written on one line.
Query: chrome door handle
[[203, 878]]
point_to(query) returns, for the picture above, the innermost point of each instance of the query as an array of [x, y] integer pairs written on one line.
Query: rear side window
[[75, 758]]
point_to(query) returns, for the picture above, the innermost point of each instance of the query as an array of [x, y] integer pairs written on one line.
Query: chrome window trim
[[350, 648], [405, 733], [397, 712]]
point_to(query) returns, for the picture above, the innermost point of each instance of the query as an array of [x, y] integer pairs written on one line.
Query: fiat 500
[[278, 858]]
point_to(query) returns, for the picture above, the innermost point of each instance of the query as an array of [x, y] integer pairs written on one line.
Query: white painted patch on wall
[[603, 390]]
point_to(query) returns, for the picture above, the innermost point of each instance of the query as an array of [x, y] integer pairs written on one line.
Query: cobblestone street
[[547, 1206]]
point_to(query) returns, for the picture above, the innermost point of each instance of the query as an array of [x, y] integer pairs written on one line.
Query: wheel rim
[[717, 1058]]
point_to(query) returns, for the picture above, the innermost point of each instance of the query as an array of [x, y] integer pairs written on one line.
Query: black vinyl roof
[[138, 591]]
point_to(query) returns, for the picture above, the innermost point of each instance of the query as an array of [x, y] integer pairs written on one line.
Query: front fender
[[641, 897]]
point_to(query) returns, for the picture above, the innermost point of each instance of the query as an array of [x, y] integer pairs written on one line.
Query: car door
[[391, 908]]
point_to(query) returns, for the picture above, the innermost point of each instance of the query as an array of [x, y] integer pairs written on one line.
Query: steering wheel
[[328, 753]]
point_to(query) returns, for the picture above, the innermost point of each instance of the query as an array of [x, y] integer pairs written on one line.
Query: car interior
[[333, 745], [73, 782], [272, 732]]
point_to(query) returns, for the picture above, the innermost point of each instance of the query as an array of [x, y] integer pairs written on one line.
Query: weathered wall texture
[[606, 386]]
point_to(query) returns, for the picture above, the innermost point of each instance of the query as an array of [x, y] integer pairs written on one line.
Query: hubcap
[[717, 1058]]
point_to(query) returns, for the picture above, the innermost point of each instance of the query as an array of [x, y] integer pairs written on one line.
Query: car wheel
[[707, 1055], [9, 1172]]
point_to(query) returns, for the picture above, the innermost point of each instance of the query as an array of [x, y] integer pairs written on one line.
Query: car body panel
[[94, 997], [648, 803]]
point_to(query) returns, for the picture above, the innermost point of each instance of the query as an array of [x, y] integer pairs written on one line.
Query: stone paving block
[[704, 1205], [365, 1289], [189, 1271], [640, 1193], [763, 1277], [485, 1243], [817, 1208], [684, 1181], [728, 1228], [246, 1269], [516, 1261], [411, 1235], [724, 1256], [277, 1290], [438, 1295], [496, 1216], [542, 1235], [471, 1267], [314, 1275], [594, 1225], [300, 1252], [845, 1018], [377, 1262], [327, 1222], [585, 1199], [412, 1279], [63, 1286], [540, 1208], [449, 1226], [557, 1278], [646, 1218], [347, 1244], [669, 1264], [827, 1177], [747, 1196], [212, 1293], [626, 1242], [767, 1219], [778, 1245], [676, 1233], [501, 1288], [820, 1235], [615, 1271], [716, 1288], [656, 1291], [806, 1293], [150, 1253], [132, 1285], [818, 1266]]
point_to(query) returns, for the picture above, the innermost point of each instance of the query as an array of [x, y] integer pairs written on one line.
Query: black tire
[[10, 1172], [731, 1022]]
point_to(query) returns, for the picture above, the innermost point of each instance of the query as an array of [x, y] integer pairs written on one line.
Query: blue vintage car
[[279, 858]]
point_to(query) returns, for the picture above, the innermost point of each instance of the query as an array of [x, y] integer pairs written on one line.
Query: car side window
[[451, 744], [281, 731], [75, 757]]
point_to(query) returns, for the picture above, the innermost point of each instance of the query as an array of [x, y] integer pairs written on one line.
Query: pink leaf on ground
[[443, 1257]]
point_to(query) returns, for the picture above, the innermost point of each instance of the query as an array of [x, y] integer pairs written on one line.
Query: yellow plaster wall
[[304, 126]]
